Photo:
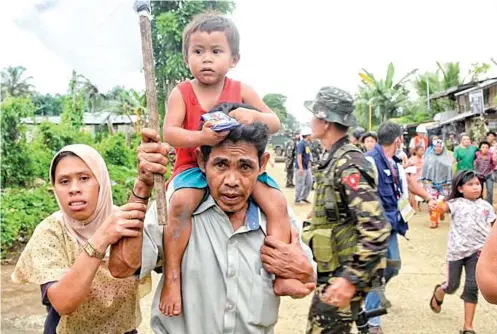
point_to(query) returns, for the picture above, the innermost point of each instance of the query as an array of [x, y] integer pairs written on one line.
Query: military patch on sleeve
[[352, 180]]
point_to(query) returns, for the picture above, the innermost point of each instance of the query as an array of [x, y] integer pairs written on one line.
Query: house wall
[[125, 128], [491, 96]]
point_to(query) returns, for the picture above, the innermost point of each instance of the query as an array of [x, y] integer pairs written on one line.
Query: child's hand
[[211, 137], [245, 116]]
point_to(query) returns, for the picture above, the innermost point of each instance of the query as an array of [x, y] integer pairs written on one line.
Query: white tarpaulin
[[98, 38]]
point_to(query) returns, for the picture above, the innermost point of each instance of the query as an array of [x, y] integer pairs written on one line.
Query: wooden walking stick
[[143, 10]]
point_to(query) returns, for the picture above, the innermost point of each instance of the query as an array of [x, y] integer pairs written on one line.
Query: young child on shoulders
[[210, 49], [472, 218]]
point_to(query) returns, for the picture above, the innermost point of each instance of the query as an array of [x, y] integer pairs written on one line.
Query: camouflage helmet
[[333, 105]]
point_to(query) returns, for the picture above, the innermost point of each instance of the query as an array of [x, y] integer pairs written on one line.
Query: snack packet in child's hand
[[222, 122]]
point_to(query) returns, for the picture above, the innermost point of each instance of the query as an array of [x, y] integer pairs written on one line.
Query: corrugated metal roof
[[88, 119], [457, 89], [459, 117], [482, 85]]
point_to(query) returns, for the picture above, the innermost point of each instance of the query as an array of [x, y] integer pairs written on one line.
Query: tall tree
[[127, 103], [47, 105], [446, 76], [431, 83], [386, 97], [171, 17], [92, 96], [277, 104], [477, 71], [73, 104], [15, 83], [451, 73]]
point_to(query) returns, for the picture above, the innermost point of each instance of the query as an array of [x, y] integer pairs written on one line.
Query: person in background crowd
[[290, 156], [451, 142], [355, 137], [485, 165], [486, 269], [430, 144], [464, 155], [369, 140], [437, 173], [419, 139], [303, 176], [316, 153], [402, 155], [491, 138], [417, 162], [469, 229]]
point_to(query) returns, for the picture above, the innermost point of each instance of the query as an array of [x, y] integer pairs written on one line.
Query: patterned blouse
[[112, 305], [469, 228]]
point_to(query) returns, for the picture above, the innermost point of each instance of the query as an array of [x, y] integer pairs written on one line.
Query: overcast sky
[[296, 47]]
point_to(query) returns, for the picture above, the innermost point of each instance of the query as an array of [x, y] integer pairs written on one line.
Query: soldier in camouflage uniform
[[290, 156], [356, 136], [348, 232], [316, 152]]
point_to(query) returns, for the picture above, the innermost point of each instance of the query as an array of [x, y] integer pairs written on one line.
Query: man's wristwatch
[[92, 251]]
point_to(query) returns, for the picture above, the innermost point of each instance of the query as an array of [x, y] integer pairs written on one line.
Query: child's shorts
[[194, 178]]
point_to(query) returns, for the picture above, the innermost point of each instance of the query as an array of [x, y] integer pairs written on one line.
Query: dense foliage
[[277, 104], [394, 100], [26, 194]]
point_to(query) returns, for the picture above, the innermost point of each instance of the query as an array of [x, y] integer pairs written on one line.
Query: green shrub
[[41, 158], [22, 210], [122, 179], [115, 151], [16, 162], [54, 137]]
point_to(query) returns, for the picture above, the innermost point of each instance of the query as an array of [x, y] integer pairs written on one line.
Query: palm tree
[[91, 94], [450, 75], [127, 103], [13, 82], [385, 96]]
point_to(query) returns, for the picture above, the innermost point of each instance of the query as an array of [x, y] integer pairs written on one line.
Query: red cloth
[[185, 157]]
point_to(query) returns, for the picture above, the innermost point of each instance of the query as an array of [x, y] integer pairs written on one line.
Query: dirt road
[[423, 266]]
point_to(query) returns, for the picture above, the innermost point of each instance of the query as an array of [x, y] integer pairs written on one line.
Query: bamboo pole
[[143, 9]]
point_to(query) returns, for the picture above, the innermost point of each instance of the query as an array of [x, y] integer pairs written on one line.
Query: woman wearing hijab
[[68, 252], [437, 173]]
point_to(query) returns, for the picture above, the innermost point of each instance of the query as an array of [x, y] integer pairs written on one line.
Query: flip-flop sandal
[[467, 331], [438, 302]]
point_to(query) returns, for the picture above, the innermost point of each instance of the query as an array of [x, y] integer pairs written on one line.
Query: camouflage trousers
[[327, 319], [289, 177]]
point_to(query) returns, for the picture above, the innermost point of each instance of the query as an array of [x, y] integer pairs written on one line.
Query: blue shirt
[[304, 149]]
